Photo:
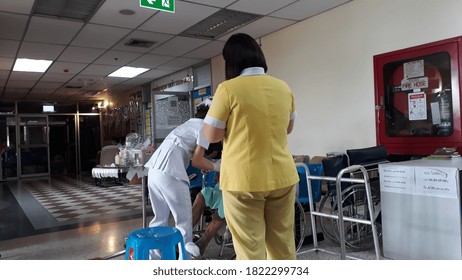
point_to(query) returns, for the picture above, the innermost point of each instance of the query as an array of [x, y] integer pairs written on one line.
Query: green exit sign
[[163, 5]]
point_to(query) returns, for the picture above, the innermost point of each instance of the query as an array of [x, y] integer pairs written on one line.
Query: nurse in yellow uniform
[[253, 112]]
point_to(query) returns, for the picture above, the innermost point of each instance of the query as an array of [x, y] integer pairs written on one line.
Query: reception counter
[[421, 209]]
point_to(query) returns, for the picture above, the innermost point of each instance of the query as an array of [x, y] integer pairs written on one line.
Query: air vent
[[139, 43], [67, 9], [219, 24], [73, 87]]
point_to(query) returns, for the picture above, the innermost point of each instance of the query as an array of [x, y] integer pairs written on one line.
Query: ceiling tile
[[109, 14], [95, 87], [179, 46], [12, 26], [47, 85], [150, 61], [15, 6], [122, 88], [40, 51], [25, 76], [155, 73], [8, 48], [39, 94], [6, 63], [56, 77], [186, 14], [70, 67], [257, 7], [80, 54], [136, 81], [179, 63], [99, 70], [304, 9], [204, 52], [99, 36], [117, 58], [214, 3], [21, 83], [49, 30], [114, 80], [3, 75], [15, 94], [83, 80]]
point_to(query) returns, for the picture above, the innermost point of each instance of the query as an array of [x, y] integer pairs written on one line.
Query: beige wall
[[328, 62]]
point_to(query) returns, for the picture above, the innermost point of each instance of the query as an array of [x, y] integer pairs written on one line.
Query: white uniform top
[[174, 154]]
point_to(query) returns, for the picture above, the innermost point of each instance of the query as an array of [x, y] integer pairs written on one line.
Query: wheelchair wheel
[[328, 227], [299, 225], [358, 236], [299, 228]]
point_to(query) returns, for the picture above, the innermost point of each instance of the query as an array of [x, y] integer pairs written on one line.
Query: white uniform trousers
[[169, 194]]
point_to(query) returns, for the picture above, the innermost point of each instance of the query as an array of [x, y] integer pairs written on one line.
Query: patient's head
[[202, 108]]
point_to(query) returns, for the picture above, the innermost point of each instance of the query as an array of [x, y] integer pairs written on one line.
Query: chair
[[302, 198], [165, 239]]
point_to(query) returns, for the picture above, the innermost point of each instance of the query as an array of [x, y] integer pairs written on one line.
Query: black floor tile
[[13, 222]]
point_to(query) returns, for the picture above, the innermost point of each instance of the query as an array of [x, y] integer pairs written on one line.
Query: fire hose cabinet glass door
[[418, 99]]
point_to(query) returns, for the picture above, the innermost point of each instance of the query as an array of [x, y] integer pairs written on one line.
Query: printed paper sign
[[414, 69], [397, 179], [417, 106], [436, 181]]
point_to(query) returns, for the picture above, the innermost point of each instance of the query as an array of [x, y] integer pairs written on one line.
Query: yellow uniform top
[[255, 111]]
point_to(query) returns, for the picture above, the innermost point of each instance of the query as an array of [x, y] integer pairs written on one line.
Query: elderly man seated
[[208, 197]]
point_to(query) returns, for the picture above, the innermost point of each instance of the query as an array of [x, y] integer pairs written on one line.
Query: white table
[[421, 209]]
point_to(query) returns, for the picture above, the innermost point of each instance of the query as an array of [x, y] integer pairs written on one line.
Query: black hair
[[201, 111], [242, 51]]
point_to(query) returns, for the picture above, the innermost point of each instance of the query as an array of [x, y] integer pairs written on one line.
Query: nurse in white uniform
[[168, 181]]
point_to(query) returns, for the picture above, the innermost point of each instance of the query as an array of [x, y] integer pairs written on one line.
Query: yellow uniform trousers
[[261, 223]]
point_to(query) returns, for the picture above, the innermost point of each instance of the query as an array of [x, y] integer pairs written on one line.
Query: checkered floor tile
[[67, 198]]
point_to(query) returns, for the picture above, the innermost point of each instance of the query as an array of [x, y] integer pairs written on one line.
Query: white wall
[[328, 62]]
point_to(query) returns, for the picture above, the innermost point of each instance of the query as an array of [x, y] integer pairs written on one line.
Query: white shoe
[[193, 250]]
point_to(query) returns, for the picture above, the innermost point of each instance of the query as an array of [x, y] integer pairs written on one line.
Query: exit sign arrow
[[162, 5]]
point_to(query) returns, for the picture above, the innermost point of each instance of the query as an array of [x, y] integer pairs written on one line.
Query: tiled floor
[[98, 238]]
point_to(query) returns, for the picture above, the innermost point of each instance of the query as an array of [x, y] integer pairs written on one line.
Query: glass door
[[33, 146], [89, 141], [62, 138], [8, 147]]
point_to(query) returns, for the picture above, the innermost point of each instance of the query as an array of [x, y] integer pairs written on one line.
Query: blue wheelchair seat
[[316, 170], [195, 176]]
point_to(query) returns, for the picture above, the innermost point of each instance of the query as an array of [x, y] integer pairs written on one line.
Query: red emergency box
[[417, 98]]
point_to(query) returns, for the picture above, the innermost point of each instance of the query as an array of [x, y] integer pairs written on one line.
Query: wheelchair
[[224, 239], [354, 204]]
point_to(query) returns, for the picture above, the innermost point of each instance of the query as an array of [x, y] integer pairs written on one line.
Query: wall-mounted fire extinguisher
[[445, 106]]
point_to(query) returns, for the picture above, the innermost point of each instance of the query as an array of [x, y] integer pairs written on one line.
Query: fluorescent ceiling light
[[31, 65], [128, 72]]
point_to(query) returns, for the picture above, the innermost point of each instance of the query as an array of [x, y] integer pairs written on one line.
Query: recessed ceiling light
[[128, 72], [126, 12], [31, 65]]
